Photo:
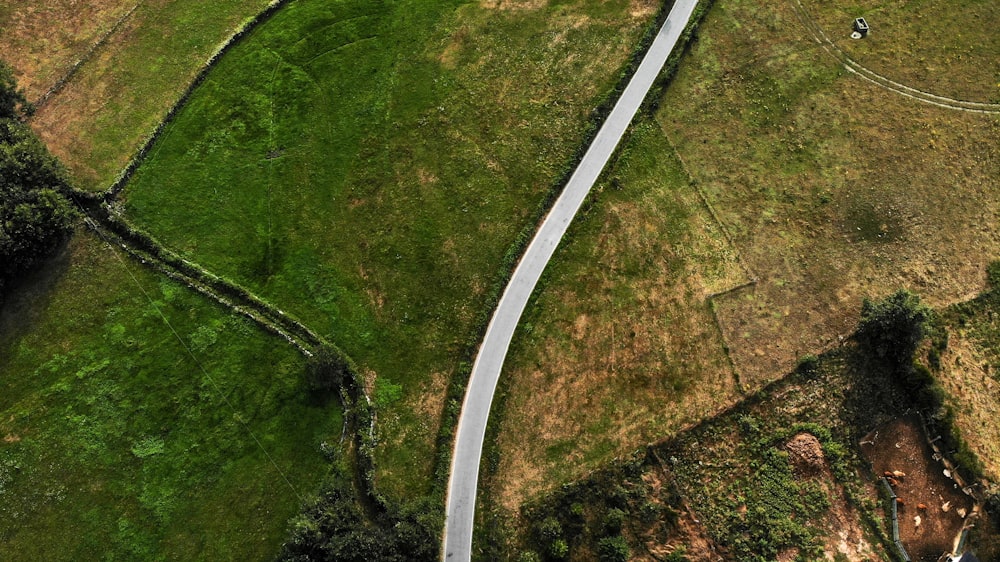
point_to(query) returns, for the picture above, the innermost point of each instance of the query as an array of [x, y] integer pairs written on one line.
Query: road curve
[[486, 370]]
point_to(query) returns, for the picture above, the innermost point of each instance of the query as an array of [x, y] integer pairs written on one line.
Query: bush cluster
[[35, 219]]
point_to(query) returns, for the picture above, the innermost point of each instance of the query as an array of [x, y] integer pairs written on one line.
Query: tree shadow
[[26, 298]]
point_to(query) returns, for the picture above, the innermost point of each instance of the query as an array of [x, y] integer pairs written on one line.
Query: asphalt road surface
[[486, 370]]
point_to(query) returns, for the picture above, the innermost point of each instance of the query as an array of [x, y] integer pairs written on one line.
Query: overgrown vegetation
[[738, 474], [735, 474], [124, 436], [34, 217], [334, 527]]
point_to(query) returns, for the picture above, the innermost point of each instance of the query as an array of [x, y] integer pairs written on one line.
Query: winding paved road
[[486, 370]]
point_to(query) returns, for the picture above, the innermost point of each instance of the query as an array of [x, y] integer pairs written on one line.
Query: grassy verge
[[364, 185], [119, 442], [118, 96]]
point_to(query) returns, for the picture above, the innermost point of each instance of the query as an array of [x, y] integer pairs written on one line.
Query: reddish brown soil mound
[[806, 454]]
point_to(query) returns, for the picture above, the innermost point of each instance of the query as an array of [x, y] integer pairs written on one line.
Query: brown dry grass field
[[969, 377], [938, 47], [103, 114], [622, 330], [830, 189], [42, 40]]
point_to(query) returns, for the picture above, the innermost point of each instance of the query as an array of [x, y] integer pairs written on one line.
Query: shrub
[[558, 550], [326, 371], [614, 520], [678, 555], [613, 549], [808, 366], [549, 529]]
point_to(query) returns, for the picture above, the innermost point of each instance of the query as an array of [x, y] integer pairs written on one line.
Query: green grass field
[[366, 166], [122, 442]]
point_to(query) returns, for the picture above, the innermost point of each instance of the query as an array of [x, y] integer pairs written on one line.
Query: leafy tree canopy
[[13, 105], [34, 217], [892, 328]]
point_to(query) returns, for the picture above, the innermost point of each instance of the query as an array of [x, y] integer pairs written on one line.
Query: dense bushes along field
[[34, 217]]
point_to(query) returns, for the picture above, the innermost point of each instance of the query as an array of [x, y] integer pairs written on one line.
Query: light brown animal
[[922, 507], [900, 501], [899, 474], [892, 481]]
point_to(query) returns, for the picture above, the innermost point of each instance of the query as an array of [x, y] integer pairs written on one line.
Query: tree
[[35, 219], [13, 104], [891, 329]]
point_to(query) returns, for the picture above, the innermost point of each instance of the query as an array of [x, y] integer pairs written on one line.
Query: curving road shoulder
[[471, 431]]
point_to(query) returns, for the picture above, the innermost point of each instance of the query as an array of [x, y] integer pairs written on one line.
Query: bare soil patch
[[900, 448], [844, 534], [806, 454], [514, 4]]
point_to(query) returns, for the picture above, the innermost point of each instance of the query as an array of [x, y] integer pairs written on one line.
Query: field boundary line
[[159, 265], [712, 298], [750, 275], [139, 156], [71, 73], [201, 367]]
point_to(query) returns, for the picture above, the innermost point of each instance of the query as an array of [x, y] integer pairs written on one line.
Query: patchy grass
[[831, 188], [945, 48], [778, 477], [969, 376], [125, 88], [344, 162], [622, 328], [790, 473], [43, 40], [119, 440]]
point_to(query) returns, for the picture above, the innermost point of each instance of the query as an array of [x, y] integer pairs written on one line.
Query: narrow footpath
[[471, 431]]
